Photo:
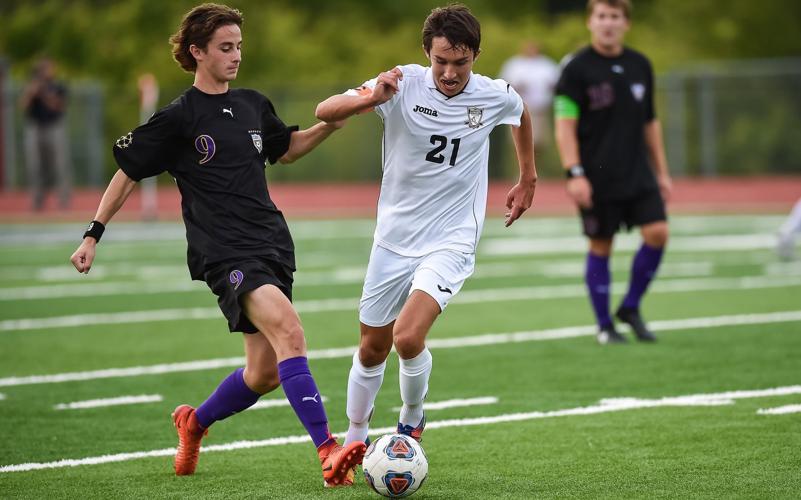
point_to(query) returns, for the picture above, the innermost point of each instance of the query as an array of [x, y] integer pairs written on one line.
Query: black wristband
[[574, 171], [95, 230]]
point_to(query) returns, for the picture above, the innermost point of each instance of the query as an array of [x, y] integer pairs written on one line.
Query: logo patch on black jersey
[[474, 115], [638, 91], [256, 141], [425, 110], [230, 111], [205, 146], [125, 141]]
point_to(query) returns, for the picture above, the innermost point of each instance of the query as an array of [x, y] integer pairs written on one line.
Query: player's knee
[[656, 236], [290, 331], [408, 344], [373, 354], [262, 379]]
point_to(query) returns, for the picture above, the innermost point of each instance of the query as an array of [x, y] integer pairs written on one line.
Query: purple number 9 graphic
[[205, 146]]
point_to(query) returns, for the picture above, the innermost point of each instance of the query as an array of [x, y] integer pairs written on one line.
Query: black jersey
[[215, 146], [615, 100]]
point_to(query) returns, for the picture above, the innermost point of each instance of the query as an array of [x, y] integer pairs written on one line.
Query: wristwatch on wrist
[[575, 171]]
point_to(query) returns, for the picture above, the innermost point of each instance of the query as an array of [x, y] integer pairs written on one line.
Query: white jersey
[[435, 154]]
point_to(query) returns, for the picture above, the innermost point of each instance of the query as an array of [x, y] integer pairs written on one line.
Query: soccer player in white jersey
[[437, 122]]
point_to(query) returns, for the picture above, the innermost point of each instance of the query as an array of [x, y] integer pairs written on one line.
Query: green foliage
[[300, 51]]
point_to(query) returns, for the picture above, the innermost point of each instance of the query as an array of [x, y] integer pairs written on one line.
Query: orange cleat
[[338, 462], [189, 435]]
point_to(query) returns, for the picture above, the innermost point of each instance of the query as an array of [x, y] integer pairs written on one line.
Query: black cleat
[[609, 335], [632, 317]]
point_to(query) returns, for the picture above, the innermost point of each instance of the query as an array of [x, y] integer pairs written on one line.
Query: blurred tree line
[[300, 51]]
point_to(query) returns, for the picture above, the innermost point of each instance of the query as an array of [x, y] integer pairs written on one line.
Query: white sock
[[414, 375], [363, 386]]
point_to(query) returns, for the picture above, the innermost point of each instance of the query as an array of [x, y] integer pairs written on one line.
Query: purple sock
[[302, 393], [231, 396], [643, 269], [597, 278]]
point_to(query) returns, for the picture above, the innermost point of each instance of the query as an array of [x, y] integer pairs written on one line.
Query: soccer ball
[[395, 465]]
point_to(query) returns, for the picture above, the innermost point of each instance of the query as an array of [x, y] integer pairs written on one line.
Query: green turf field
[[559, 416]]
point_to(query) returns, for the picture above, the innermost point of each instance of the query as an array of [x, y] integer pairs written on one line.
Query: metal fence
[[740, 117], [85, 128]]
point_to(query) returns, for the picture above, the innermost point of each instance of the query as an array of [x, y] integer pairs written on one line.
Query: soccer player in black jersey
[[214, 141], [610, 143]]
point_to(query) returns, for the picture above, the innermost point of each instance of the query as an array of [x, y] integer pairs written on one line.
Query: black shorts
[[230, 281], [605, 218]]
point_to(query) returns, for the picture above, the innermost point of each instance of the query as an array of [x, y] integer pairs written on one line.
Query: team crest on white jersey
[[474, 115], [638, 91]]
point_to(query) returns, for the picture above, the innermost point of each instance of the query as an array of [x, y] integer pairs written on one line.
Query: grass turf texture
[[663, 452]]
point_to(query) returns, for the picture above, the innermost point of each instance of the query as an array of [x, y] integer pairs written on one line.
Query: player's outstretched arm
[[303, 141], [116, 193], [656, 152], [520, 197], [342, 106]]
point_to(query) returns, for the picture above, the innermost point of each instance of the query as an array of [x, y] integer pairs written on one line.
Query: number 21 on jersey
[[440, 142]]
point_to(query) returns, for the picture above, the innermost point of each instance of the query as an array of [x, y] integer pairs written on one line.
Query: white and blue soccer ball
[[395, 465]]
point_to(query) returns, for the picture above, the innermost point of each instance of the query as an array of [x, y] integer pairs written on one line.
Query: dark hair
[[625, 5], [197, 28], [456, 23]]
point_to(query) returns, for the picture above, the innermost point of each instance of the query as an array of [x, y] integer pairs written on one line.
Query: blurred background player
[[610, 143], [534, 76], [148, 100], [787, 233], [215, 142], [437, 122], [44, 101]]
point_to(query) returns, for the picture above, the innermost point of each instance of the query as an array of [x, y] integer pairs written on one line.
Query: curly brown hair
[[197, 28]]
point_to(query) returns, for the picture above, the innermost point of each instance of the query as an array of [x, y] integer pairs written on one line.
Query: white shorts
[[391, 277]]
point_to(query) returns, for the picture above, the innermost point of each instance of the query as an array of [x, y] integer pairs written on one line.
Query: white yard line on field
[[456, 403], [171, 284], [780, 410], [606, 406], [118, 401], [466, 297], [456, 342], [577, 244]]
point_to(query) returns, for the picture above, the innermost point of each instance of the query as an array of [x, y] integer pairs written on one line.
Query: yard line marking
[[456, 342], [118, 401], [577, 244], [780, 410], [358, 228], [605, 406], [341, 276], [466, 297], [275, 403], [456, 403]]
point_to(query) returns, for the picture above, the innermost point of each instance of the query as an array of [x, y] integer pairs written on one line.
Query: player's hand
[[580, 191], [386, 85], [518, 200], [665, 186], [84, 256]]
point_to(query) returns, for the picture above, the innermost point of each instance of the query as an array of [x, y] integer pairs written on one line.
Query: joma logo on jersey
[[425, 111]]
